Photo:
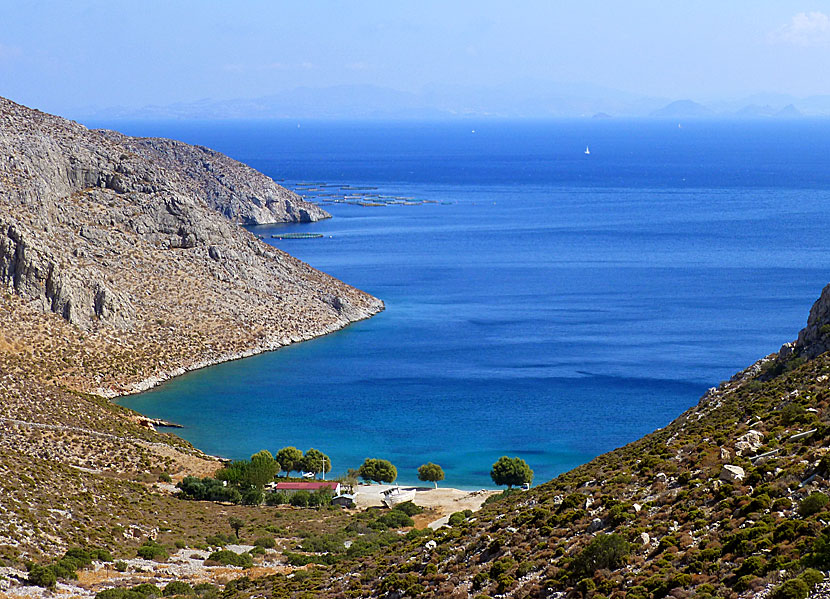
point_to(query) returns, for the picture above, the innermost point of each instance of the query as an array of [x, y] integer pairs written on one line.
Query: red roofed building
[[310, 486]]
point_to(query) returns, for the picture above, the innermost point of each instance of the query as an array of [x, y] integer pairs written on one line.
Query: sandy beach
[[439, 503]]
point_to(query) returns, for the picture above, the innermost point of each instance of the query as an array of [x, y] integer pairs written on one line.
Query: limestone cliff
[[814, 339], [127, 237], [236, 190]]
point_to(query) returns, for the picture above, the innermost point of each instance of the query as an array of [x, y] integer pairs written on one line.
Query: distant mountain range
[[521, 99]]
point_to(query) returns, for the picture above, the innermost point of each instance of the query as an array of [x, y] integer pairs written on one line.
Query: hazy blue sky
[[61, 55]]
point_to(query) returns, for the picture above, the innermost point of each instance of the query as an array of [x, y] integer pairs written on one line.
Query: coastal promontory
[[123, 263]]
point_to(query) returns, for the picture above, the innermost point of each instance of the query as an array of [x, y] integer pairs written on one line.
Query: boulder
[[731, 473], [749, 443]]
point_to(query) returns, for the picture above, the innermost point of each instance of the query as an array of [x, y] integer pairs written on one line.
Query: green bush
[[300, 499], [795, 588], [219, 540], [409, 508], [252, 496], [229, 558], [208, 489], [812, 577], [151, 550], [323, 544], [278, 498], [459, 517], [205, 590], [266, 542], [42, 576], [147, 590], [119, 593], [812, 504], [604, 551], [752, 565], [782, 503], [499, 496], [177, 587], [395, 519]]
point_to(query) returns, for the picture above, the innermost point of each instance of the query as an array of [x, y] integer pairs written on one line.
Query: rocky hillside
[[108, 231], [241, 193], [120, 268]]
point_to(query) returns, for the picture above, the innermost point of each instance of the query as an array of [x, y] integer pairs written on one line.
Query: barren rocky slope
[[118, 270], [236, 190]]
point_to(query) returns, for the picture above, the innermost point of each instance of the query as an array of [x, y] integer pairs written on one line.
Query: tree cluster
[[292, 459]]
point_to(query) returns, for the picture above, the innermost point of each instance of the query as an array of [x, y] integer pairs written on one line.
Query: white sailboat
[[587, 150]]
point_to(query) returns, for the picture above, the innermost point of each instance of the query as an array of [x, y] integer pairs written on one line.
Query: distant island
[[522, 99]]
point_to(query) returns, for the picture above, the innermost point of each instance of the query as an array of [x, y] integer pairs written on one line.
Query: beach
[[439, 503]]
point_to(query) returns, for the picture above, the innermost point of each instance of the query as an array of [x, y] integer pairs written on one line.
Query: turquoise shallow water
[[551, 305]]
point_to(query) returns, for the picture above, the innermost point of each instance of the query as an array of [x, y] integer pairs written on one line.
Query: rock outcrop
[[131, 235], [814, 339], [241, 193]]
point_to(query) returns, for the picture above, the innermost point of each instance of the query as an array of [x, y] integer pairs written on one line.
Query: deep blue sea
[[551, 304]]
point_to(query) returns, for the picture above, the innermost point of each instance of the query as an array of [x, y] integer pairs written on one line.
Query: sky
[[67, 56]]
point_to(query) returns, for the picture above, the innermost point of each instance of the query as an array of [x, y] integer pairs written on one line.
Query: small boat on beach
[[396, 495]]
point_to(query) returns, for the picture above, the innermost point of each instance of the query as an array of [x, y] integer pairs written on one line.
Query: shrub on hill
[[66, 567], [141, 591], [813, 504], [795, 588], [208, 489], [409, 508], [152, 551], [42, 576], [226, 557], [177, 587], [606, 551]]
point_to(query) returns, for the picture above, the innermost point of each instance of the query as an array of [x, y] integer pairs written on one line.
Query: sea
[[541, 301]]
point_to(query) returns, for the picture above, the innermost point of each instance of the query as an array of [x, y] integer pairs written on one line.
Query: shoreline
[[272, 345]]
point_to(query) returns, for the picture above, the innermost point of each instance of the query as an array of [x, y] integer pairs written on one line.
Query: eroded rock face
[[814, 339], [107, 230], [241, 193]]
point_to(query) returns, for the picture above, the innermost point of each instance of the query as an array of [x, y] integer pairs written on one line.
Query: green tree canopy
[[257, 473], [430, 472], [316, 461], [290, 459], [262, 469], [511, 471], [380, 471]]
